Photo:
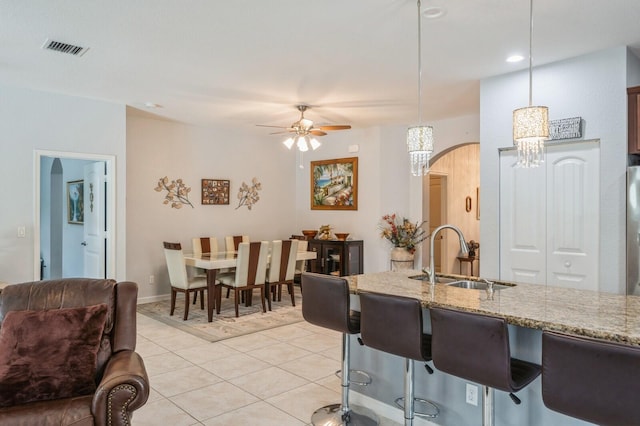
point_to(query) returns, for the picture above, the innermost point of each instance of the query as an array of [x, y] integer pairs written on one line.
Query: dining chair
[[282, 268], [251, 273], [203, 245], [301, 265], [180, 281], [231, 244]]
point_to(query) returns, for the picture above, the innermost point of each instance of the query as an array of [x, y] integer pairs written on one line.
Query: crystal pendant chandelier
[[419, 138], [531, 123]]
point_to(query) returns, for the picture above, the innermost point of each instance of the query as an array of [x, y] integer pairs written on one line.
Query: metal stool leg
[[409, 408], [343, 414], [487, 406], [409, 403]]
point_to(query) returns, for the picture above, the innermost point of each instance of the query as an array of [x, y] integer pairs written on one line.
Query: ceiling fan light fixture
[[288, 143], [301, 142], [315, 144]]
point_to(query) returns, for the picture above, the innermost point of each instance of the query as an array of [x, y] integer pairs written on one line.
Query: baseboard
[[385, 410], [151, 299]]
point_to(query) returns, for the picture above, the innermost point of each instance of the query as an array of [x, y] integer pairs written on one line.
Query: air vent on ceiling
[[61, 47]]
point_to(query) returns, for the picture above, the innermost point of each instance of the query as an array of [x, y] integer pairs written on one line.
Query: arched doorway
[[451, 193]]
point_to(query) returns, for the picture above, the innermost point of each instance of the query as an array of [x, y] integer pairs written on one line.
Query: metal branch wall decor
[[248, 195], [177, 192]]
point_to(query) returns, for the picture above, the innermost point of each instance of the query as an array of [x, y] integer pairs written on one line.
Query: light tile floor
[[273, 377]]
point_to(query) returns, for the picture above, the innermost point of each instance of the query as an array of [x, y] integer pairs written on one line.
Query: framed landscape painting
[[334, 184]]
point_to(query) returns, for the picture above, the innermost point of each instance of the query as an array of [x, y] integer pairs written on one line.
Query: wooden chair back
[[205, 245], [232, 242]]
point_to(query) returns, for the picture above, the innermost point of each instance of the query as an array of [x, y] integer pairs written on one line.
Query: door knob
[[567, 264], [84, 243]]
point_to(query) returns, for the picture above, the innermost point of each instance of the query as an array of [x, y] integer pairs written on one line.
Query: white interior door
[[95, 235], [522, 221], [549, 218], [573, 237]]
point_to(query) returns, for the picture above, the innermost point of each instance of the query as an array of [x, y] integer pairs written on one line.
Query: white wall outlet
[[152, 279], [472, 394], [22, 232]]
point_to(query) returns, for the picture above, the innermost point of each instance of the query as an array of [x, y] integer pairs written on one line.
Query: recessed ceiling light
[[434, 12], [515, 58], [152, 105]]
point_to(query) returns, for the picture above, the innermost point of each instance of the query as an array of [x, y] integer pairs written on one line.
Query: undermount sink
[[476, 285], [424, 277], [468, 284]]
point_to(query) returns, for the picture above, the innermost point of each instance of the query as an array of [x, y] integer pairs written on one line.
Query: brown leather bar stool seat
[[475, 347], [326, 303], [591, 379], [393, 324]]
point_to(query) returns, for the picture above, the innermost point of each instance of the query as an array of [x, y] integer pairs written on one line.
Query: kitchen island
[[528, 308]]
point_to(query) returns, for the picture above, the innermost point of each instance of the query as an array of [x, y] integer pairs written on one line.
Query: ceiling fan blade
[[266, 125], [283, 132], [335, 127], [316, 132]]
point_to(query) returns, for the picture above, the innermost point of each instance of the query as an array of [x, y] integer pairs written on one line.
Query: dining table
[[213, 262]]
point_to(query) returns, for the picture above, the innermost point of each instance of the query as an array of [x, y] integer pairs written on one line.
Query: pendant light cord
[[530, 52], [419, 66]]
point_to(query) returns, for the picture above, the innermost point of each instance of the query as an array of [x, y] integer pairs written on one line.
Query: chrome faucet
[[463, 248]]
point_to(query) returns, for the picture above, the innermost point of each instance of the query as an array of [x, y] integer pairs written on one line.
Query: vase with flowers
[[405, 235]]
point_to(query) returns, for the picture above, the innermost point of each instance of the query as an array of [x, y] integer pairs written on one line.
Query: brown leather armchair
[[122, 384]]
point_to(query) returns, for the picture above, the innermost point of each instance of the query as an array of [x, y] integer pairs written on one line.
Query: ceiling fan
[[303, 129]]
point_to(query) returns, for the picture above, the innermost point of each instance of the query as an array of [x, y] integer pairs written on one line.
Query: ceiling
[[247, 62]]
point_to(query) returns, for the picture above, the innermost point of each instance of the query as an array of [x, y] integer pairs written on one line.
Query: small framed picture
[[75, 202], [215, 192]]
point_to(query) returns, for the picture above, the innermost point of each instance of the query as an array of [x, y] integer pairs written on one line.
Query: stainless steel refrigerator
[[633, 230]]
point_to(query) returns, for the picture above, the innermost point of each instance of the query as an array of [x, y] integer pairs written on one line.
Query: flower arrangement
[[472, 246], [402, 232]]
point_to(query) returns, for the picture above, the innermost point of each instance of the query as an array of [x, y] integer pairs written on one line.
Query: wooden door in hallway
[[437, 215]]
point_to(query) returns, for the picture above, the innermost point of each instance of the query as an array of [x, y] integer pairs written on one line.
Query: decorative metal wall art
[[565, 128], [177, 192], [248, 195]]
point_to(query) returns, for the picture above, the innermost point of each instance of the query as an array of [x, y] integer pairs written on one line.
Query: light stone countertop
[[582, 312]]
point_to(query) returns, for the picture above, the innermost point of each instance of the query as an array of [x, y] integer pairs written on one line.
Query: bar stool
[[393, 324], [475, 347], [591, 379], [325, 303]]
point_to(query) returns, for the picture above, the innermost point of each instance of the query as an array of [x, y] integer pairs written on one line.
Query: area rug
[[225, 324]]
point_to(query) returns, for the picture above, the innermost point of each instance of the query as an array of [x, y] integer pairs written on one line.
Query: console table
[[470, 260]]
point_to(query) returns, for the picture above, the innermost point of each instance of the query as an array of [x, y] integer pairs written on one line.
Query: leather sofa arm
[[124, 388]]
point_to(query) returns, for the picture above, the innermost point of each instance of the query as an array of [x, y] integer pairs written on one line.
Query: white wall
[[592, 87], [385, 182], [157, 148], [31, 120]]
